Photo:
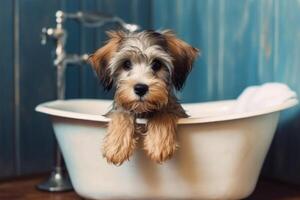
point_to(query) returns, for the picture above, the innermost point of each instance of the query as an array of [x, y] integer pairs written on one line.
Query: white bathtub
[[220, 155]]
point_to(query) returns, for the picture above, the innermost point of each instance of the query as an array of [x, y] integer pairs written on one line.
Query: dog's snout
[[141, 89]]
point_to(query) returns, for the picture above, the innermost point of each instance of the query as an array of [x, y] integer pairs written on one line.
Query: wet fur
[[159, 105]]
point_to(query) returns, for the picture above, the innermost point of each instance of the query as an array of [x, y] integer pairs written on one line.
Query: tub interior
[[93, 109], [101, 107], [90, 107]]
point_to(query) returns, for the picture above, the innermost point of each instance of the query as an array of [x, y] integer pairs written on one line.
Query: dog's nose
[[141, 89]]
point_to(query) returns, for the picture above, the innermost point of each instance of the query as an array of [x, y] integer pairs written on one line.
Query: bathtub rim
[[47, 109]]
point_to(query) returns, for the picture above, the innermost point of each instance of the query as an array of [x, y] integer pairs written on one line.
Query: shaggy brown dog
[[146, 68]]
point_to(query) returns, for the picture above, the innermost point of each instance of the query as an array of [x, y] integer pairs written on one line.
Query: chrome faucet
[[60, 35], [62, 59], [58, 181]]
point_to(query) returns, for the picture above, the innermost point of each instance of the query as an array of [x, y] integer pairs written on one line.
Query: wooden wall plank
[[89, 82], [37, 85], [283, 162], [240, 47], [197, 23], [243, 43], [72, 47], [7, 167], [266, 37]]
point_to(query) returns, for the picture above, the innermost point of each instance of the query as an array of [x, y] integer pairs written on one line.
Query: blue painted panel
[[89, 83], [72, 46], [7, 167], [243, 43], [238, 47], [36, 83], [283, 162], [199, 28]]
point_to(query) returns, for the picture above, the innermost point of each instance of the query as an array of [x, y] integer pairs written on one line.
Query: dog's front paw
[[160, 140], [119, 143], [159, 151]]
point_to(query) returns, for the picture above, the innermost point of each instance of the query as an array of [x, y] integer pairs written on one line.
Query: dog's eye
[[156, 65], [127, 65]]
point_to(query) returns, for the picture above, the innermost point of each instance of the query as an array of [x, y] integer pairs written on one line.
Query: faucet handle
[[85, 57], [46, 33], [44, 36]]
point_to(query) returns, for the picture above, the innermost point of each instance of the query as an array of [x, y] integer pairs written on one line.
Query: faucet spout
[[71, 59], [98, 19]]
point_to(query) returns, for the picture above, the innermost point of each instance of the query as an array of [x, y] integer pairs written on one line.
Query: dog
[[146, 68]]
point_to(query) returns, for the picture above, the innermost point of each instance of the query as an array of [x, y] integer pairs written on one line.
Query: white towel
[[266, 95]]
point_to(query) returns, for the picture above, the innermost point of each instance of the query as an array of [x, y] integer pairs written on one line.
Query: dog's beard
[[155, 99]]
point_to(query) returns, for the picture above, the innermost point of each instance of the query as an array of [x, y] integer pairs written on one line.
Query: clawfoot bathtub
[[220, 154]]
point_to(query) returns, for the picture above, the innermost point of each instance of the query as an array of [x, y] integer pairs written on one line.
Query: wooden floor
[[24, 189]]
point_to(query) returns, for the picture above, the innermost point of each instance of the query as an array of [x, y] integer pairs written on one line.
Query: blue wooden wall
[[242, 42], [27, 76], [6, 100]]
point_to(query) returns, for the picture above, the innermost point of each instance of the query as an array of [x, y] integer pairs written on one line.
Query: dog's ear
[[183, 58], [101, 58]]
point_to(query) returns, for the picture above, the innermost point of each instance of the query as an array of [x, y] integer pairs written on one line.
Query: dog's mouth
[[142, 105], [141, 99], [154, 99]]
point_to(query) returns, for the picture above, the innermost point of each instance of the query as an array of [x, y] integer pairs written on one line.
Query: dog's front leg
[[120, 142], [160, 140]]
